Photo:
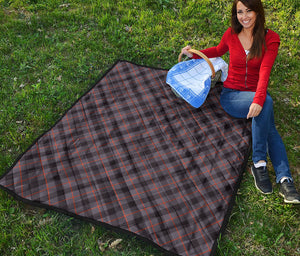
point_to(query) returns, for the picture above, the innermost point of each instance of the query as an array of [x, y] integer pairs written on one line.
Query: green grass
[[53, 51]]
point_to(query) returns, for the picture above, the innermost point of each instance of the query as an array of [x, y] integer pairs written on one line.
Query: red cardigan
[[252, 75]]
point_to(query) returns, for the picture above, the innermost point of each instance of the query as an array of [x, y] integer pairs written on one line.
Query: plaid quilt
[[131, 155]]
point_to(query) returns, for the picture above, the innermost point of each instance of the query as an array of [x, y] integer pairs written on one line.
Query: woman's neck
[[246, 38], [247, 32]]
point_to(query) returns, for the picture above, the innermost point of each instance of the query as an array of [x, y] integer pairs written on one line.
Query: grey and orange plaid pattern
[[133, 156]]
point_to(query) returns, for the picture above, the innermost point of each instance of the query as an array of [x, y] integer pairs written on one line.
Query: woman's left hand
[[254, 110]]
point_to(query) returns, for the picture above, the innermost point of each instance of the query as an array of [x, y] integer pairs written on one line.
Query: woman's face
[[245, 16]]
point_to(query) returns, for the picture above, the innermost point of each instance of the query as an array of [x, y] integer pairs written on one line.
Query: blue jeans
[[265, 138]]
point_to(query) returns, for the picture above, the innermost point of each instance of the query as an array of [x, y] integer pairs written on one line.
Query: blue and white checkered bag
[[191, 79]]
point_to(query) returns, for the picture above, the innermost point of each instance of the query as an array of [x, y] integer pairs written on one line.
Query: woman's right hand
[[184, 51]]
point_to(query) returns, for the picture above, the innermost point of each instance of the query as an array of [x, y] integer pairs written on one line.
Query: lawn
[[52, 51]]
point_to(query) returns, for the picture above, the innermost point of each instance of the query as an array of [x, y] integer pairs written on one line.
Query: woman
[[253, 50]]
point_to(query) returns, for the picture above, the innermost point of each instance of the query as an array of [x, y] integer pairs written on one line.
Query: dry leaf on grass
[[115, 243]]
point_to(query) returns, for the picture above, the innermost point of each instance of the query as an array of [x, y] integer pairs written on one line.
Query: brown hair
[[259, 27]]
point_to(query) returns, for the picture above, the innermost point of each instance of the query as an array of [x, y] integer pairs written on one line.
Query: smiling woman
[[253, 50]]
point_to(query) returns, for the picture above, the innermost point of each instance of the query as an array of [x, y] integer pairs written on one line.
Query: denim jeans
[[265, 138]]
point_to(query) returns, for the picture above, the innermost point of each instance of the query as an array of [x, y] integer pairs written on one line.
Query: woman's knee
[[268, 105]]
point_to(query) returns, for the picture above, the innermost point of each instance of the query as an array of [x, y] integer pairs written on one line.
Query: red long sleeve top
[[246, 75]]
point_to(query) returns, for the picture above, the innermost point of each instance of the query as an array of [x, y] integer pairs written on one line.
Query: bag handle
[[204, 57]]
